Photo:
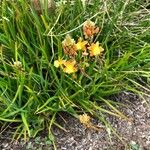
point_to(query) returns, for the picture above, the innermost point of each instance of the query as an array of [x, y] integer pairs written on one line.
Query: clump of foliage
[[41, 76]]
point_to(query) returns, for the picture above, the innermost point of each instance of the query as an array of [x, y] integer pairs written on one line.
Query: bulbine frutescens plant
[[45, 71]]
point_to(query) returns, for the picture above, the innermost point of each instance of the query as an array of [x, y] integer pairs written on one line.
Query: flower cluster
[[86, 121], [84, 46], [67, 66], [89, 29]]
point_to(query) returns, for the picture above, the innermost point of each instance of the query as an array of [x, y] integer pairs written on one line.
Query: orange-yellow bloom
[[69, 46], [89, 29], [85, 119], [81, 45], [70, 50], [70, 67], [58, 63], [95, 49]]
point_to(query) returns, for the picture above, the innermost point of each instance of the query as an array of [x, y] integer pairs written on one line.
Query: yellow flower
[[67, 66], [85, 119], [81, 44], [68, 41], [58, 63], [95, 49], [70, 67]]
